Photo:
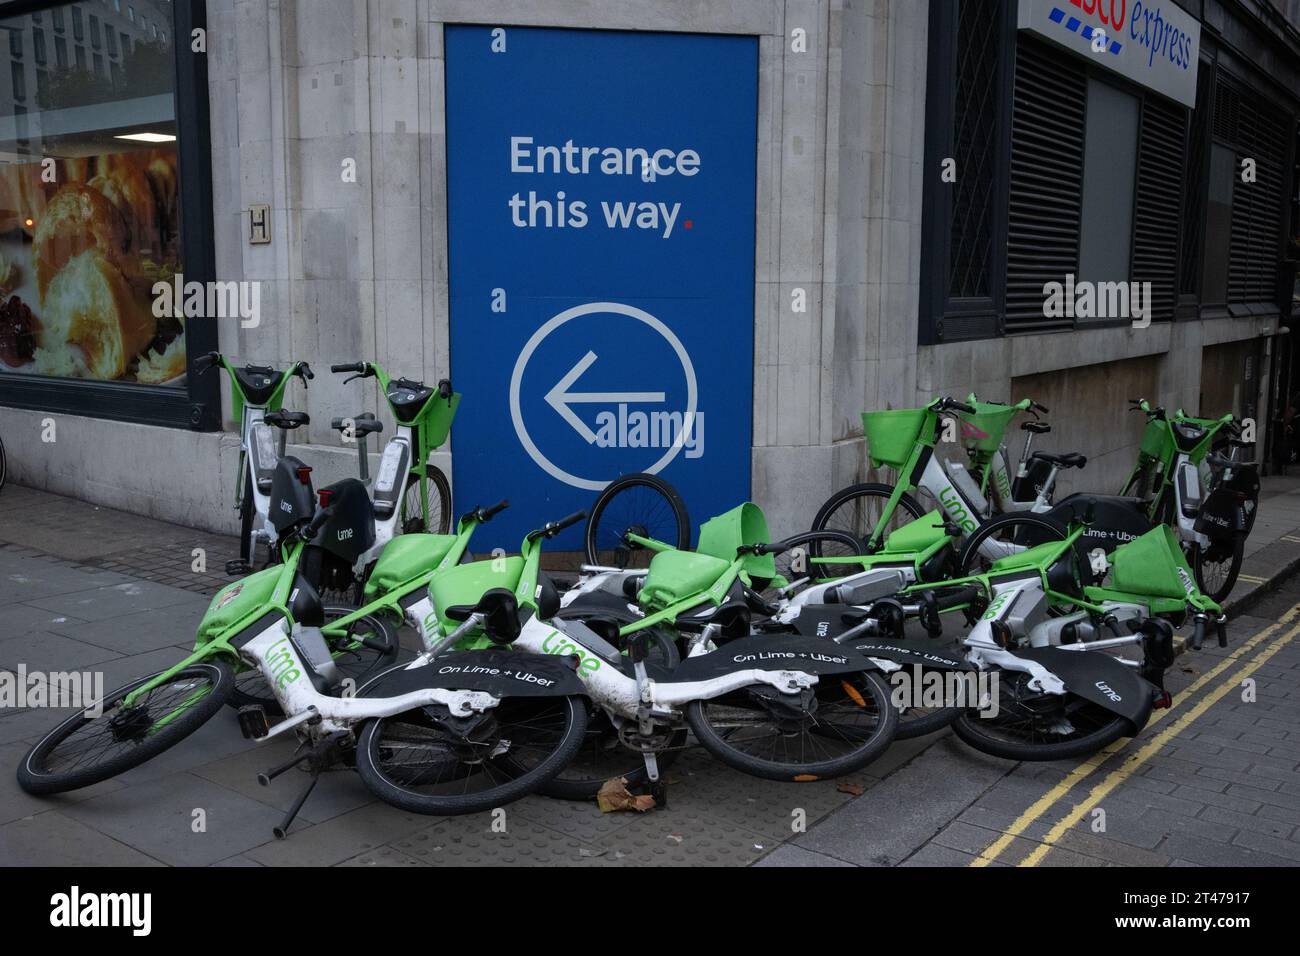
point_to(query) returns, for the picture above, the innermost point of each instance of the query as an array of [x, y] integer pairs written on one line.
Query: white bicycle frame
[[390, 478], [608, 686], [1022, 605], [276, 653], [258, 450]]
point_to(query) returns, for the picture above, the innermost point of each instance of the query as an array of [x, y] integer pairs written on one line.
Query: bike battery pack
[[389, 480]]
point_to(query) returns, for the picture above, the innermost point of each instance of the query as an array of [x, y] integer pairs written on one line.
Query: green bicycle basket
[[1155, 439], [439, 422], [983, 431], [892, 434], [743, 524], [1153, 564]]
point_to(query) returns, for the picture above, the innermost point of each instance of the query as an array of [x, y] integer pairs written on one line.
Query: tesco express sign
[[1155, 44]]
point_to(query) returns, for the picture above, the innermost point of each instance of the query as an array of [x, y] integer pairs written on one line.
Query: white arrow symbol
[[560, 398]]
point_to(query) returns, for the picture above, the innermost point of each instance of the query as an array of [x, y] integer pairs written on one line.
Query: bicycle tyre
[[600, 541], [32, 780], [513, 786], [413, 520], [970, 550], [869, 489], [865, 747], [1196, 558]]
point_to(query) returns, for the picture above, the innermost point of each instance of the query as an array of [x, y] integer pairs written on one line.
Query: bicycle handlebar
[[205, 362], [361, 368], [303, 370], [552, 528], [776, 547], [956, 597]]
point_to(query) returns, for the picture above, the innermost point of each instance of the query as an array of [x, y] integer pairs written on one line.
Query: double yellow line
[[1118, 776]]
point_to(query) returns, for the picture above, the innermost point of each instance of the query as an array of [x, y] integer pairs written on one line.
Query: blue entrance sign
[[601, 230]]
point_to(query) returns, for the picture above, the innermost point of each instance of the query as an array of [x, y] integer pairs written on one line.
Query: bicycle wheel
[[603, 756], [856, 510], [1006, 534], [439, 518], [83, 749], [1032, 725], [4, 466], [246, 550], [797, 565], [422, 762], [642, 504], [356, 661], [1217, 566], [1138, 484], [840, 725]]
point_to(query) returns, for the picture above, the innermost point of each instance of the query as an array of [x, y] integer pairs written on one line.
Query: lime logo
[[430, 623], [561, 646], [1108, 691], [282, 663], [995, 608], [956, 509]]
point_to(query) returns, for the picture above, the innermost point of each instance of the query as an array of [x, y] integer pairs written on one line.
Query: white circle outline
[[516, 378]]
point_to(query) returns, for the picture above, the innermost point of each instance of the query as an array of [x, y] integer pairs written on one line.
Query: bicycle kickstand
[[318, 758], [638, 650]]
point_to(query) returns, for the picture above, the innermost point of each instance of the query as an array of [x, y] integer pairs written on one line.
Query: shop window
[[975, 110], [1109, 177], [80, 253], [1257, 135]]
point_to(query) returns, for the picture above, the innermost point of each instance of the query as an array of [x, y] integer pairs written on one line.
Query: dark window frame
[[196, 405], [944, 319]]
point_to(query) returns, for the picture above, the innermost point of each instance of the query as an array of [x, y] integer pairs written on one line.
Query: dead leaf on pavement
[[614, 796]]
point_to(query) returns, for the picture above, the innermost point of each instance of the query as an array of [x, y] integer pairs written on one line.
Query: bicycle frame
[[229, 643], [606, 684], [924, 470], [258, 451]]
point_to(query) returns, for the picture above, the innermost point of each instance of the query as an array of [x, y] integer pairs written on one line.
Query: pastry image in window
[[93, 325], [76, 219]]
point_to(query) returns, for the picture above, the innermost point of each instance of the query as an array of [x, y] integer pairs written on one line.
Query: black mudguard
[[773, 652], [1116, 520], [1099, 678], [500, 673], [911, 652]]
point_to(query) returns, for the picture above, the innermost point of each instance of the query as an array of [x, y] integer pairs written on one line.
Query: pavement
[[1214, 781]]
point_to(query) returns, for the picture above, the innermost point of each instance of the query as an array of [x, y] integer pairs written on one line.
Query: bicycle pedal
[[252, 722], [238, 568]]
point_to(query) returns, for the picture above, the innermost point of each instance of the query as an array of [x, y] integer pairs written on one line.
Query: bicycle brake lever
[[352, 377]]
